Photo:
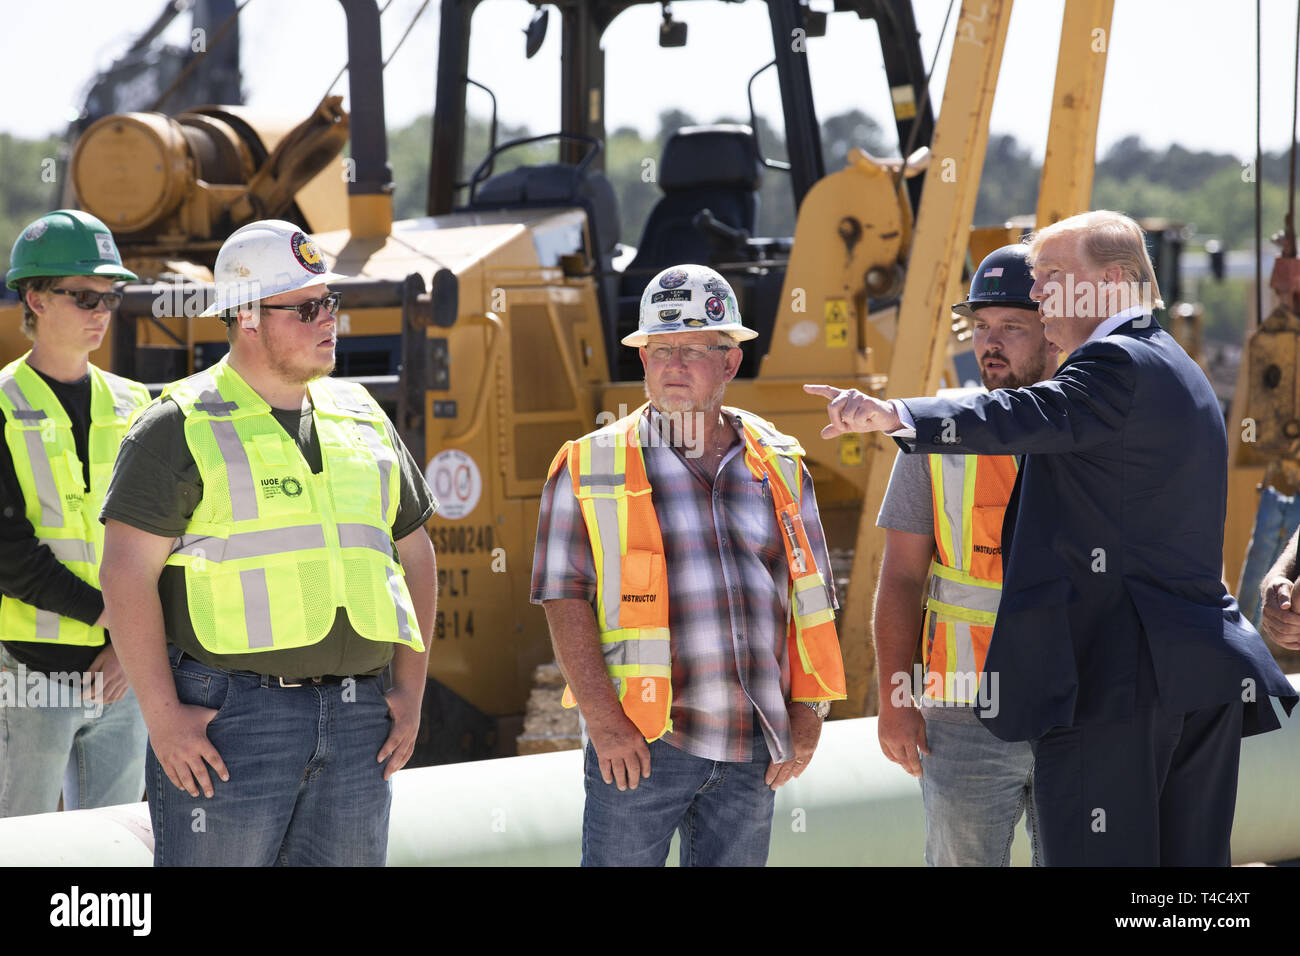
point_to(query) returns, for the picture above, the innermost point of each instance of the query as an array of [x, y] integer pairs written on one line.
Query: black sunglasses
[[307, 311], [89, 300]]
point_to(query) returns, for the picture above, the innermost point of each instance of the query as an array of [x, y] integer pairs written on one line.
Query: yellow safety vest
[[970, 495], [64, 513], [273, 551], [632, 579]]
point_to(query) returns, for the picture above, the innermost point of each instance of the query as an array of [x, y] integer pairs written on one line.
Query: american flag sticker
[[993, 272]]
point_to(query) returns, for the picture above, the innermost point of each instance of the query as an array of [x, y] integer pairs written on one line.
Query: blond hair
[[1109, 238]]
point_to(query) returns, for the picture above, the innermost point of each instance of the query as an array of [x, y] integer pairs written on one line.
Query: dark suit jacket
[[1113, 540]]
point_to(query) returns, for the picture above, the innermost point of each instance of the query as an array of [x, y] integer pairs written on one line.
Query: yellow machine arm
[[939, 248]]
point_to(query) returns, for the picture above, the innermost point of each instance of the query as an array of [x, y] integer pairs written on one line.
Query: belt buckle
[[283, 684]]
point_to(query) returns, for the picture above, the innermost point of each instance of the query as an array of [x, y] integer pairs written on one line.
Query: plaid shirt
[[728, 593]]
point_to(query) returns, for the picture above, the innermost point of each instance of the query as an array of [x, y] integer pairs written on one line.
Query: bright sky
[[1178, 71]]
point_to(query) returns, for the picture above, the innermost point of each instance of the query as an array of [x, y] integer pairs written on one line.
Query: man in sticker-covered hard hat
[[265, 527], [942, 516], [68, 719], [683, 568]]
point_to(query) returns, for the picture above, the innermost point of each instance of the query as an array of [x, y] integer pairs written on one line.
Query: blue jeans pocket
[[200, 686]]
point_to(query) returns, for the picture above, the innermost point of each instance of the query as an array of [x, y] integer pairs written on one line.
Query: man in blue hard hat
[[943, 520], [68, 719]]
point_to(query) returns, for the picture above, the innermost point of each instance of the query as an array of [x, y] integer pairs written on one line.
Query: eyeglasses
[[690, 353], [307, 311], [89, 299]]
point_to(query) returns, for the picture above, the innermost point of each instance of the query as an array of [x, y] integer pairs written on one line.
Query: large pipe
[[851, 807]]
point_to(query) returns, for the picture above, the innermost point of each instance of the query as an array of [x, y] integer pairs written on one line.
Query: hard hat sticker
[[714, 309], [456, 481], [672, 295], [714, 287], [35, 230], [673, 279], [669, 315], [105, 243], [694, 323], [305, 251]]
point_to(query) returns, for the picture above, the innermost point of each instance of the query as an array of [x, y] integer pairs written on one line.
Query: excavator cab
[[547, 185], [708, 176]]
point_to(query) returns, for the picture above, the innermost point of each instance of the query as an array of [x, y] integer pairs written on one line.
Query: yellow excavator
[[489, 327]]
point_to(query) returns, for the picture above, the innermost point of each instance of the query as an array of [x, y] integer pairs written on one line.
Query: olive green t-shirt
[[156, 486]]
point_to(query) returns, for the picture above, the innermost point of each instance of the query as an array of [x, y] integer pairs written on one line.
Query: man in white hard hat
[[266, 562], [684, 573]]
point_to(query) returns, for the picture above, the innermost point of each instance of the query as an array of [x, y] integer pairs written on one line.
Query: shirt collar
[[1115, 321]]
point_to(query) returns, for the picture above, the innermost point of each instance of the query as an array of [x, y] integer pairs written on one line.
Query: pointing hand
[[852, 411]]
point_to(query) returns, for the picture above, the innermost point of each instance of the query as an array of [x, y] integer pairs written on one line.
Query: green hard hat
[[66, 242]]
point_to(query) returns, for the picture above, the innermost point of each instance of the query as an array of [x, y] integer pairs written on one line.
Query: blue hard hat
[[1003, 278]]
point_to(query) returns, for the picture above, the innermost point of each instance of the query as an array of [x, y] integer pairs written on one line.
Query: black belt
[[268, 680]]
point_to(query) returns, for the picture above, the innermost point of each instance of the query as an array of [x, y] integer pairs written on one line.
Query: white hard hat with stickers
[[266, 258], [688, 298]]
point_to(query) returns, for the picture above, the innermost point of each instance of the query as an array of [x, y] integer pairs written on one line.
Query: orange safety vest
[[631, 575], [970, 495]]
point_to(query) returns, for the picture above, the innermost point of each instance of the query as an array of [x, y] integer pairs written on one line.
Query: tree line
[[1211, 193]]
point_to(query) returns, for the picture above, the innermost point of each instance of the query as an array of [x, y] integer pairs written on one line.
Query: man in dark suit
[[1119, 653]]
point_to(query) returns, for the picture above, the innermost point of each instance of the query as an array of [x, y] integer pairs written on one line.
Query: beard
[[682, 418], [678, 404], [1029, 373], [289, 365]]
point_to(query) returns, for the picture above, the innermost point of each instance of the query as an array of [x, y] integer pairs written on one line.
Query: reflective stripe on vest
[[272, 551], [811, 636], [631, 603], [63, 511], [970, 494]]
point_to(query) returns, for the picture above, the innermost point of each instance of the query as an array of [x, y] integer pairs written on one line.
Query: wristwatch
[[819, 707]]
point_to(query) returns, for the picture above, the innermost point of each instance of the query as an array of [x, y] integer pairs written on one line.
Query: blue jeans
[[1275, 521], [974, 788], [305, 788], [52, 741], [722, 810]]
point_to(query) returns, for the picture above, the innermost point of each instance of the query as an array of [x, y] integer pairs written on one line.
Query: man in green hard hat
[[68, 719]]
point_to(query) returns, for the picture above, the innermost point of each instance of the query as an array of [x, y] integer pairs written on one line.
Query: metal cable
[[1288, 241], [344, 68], [1259, 242], [925, 99], [407, 32], [409, 27], [190, 66]]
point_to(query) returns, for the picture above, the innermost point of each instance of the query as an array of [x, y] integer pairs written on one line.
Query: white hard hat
[[688, 298], [264, 259]]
